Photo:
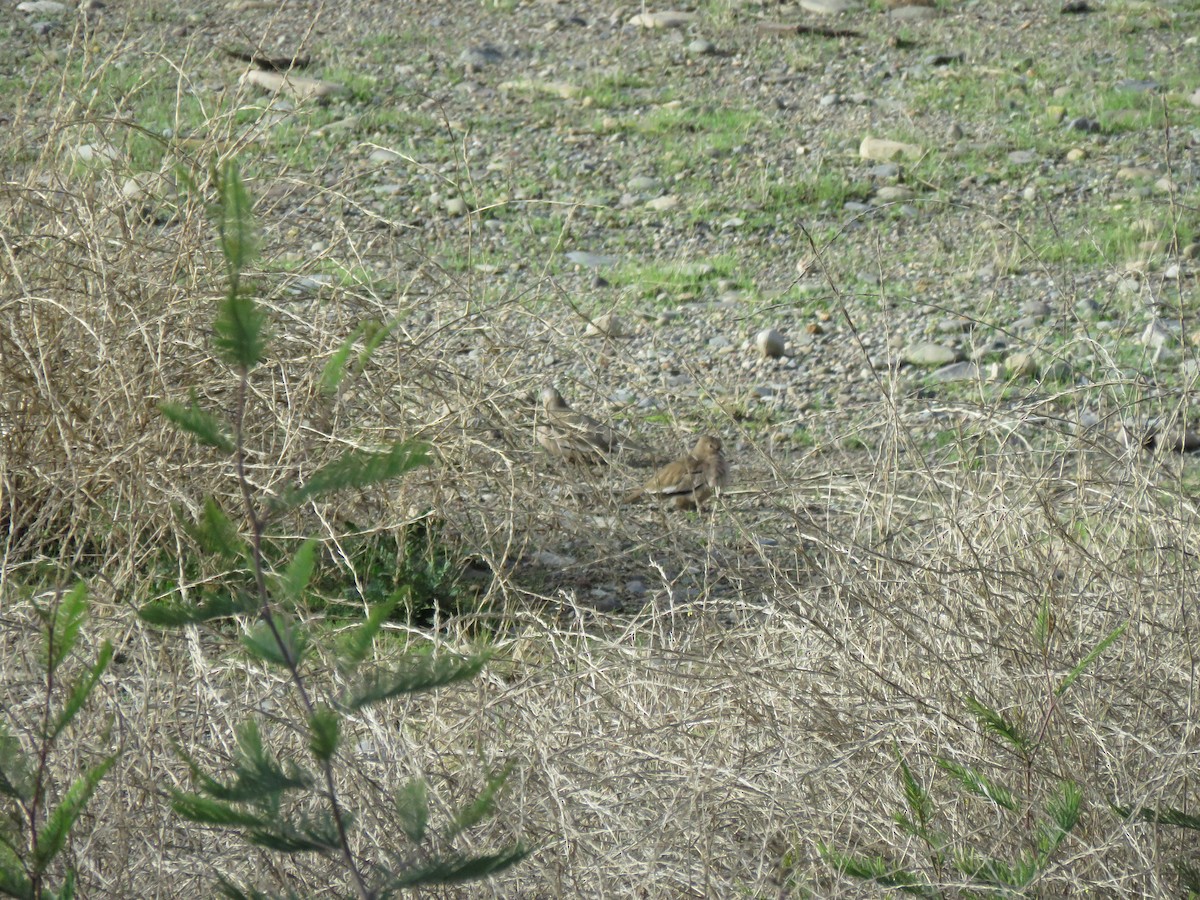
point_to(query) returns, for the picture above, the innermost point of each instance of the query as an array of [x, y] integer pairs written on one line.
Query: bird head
[[552, 399]]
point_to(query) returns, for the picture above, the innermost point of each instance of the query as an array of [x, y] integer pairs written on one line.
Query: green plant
[[267, 790], [953, 858], [33, 832]]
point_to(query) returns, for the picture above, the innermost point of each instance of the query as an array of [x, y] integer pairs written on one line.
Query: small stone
[[1157, 335], [641, 183], [384, 155], [958, 371], [42, 7], [666, 19], [456, 206], [664, 203], [1075, 154], [826, 7], [880, 148], [1021, 364], [927, 353], [701, 47], [592, 260], [893, 193], [608, 325], [913, 13], [770, 343]]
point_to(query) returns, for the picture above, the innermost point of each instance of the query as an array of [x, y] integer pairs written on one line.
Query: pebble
[[881, 148], [1158, 335], [456, 206], [664, 203], [958, 371], [96, 153], [384, 155], [668, 19], [639, 183], [701, 47], [891, 193], [770, 343], [928, 353], [607, 325], [827, 7], [592, 260], [1021, 364], [42, 7], [913, 13]]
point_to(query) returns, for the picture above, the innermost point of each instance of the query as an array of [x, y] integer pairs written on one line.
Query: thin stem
[[266, 614]]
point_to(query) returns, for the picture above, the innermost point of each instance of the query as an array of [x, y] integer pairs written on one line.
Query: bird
[[691, 479], [573, 435]]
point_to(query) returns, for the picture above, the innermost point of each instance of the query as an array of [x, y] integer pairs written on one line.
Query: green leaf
[[283, 646], [239, 242], [215, 533], [241, 332], [878, 870], [452, 869], [353, 644], [1168, 816], [65, 620], [977, 783], [203, 426], [81, 689], [481, 807], [173, 614], [288, 842], [992, 721], [16, 768], [13, 882], [54, 831], [361, 468], [335, 368], [1074, 674], [295, 578], [376, 334], [1043, 625], [915, 796], [67, 891], [418, 673], [208, 811], [1063, 813], [324, 727], [412, 805]]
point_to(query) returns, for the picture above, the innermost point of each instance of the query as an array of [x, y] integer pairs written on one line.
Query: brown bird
[[572, 435], [691, 479]]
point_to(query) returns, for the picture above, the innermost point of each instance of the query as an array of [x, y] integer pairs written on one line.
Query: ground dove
[[572, 435], [691, 479]]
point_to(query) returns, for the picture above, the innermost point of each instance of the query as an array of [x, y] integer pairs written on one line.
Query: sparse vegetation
[[674, 705]]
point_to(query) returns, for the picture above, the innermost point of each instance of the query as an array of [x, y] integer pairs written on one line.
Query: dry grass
[[846, 605]]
